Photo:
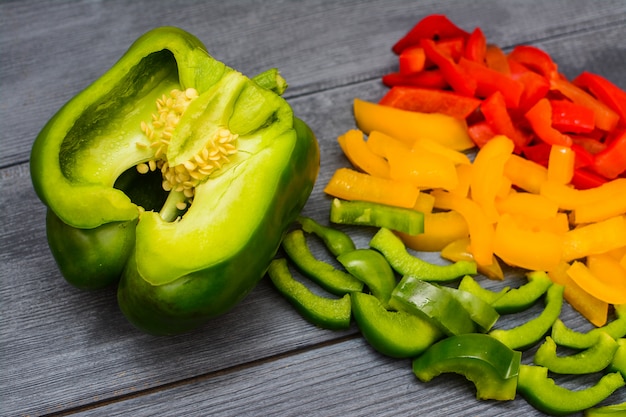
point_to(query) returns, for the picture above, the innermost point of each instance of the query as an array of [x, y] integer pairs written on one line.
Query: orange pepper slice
[[533, 249], [592, 308], [407, 126], [531, 205], [422, 168], [601, 286], [349, 184], [440, 228], [612, 206], [464, 176], [361, 156], [480, 228]]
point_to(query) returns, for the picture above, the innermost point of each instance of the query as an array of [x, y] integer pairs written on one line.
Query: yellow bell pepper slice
[[361, 156], [528, 204], [464, 176], [407, 126], [600, 286], [459, 251], [525, 174], [440, 228], [348, 184], [594, 238], [527, 248], [561, 164]]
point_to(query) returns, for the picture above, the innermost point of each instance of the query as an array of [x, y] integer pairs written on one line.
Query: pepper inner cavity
[[184, 177]]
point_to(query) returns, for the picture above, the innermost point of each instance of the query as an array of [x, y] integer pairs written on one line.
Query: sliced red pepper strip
[[535, 86], [434, 26], [584, 179], [539, 153], [428, 100], [476, 46], [456, 76], [583, 157], [605, 91], [427, 79], [536, 60], [540, 119], [453, 47], [611, 162], [606, 119], [412, 60], [489, 81], [495, 112], [481, 133], [496, 59], [571, 117]]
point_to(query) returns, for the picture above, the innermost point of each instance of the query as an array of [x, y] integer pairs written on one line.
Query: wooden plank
[[53, 51], [69, 348]]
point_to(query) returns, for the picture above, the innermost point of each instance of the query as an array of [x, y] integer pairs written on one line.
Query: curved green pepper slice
[[394, 250], [521, 298], [328, 277], [365, 213], [472, 286], [482, 313], [232, 166], [593, 359], [335, 240], [529, 333], [489, 364], [423, 299], [565, 336], [618, 363], [324, 312], [393, 333], [545, 395], [615, 410], [371, 268]]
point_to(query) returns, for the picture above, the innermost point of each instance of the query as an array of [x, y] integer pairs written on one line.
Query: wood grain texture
[[62, 350]]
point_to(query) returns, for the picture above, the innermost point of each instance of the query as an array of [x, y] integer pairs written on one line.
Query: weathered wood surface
[[66, 351]]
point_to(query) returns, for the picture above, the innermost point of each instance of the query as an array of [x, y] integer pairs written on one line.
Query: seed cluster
[[187, 176]]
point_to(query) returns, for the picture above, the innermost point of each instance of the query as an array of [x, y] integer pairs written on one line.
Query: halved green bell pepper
[[178, 174]]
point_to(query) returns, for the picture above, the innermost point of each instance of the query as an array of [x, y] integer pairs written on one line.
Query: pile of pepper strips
[[538, 128]]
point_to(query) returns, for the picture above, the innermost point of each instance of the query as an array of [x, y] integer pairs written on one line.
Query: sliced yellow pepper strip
[[481, 229], [361, 156], [459, 251], [423, 169], [592, 308], [561, 164], [525, 174], [424, 203], [594, 238], [409, 125], [532, 249], [599, 286], [531, 205], [433, 146], [349, 184], [464, 176], [440, 229], [569, 198]]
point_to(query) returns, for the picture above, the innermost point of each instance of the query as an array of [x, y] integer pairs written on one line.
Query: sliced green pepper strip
[[472, 286], [521, 298], [373, 270], [618, 363], [327, 313], [423, 299], [564, 336], [482, 313], [616, 410], [529, 333], [488, 363], [394, 250], [545, 395], [335, 240], [365, 213], [397, 334], [327, 276], [594, 359]]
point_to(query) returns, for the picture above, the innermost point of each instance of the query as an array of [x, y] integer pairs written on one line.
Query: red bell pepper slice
[[427, 79], [535, 86], [539, 153], [495, 112], [584, 179], [590, 144], [606, 118], [435, 26], [452, 72], [540, 118], [489, 81], [611, 162], [605, 91], [476, 46], [496, 59], [480, 133], [583, 157], [412, 59], [536, 60], [453, 47], [571, 117], [427, 100]]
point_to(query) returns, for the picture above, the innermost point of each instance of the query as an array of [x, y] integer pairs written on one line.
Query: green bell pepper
[[371, 268], [593, 359], [177, 173]]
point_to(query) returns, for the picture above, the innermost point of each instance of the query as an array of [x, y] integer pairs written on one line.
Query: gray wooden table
[[68, 352]]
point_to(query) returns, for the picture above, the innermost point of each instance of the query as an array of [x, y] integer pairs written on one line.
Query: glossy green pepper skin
[[180, 265]]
